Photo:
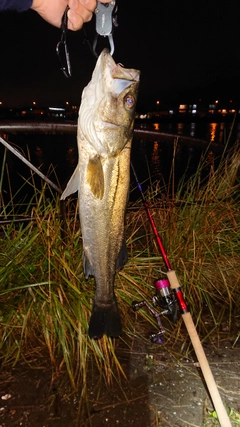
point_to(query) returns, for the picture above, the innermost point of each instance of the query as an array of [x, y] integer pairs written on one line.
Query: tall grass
[[200, 228], [45, 300]]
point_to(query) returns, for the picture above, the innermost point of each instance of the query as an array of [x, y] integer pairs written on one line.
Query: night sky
[[185, 49]]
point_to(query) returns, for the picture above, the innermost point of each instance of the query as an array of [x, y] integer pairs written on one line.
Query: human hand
[[52, 11]]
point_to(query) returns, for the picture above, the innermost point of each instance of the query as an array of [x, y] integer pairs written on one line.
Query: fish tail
[[105, 320]]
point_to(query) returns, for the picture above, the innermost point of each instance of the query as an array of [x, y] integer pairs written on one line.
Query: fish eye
[[129, 101]]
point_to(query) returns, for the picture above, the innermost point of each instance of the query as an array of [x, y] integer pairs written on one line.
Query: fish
[[102, 179]]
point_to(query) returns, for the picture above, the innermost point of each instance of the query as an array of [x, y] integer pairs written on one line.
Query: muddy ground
[[163, 387]]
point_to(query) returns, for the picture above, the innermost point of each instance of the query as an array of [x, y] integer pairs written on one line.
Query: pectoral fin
[[95, 177], [87, 268], [72, 185]]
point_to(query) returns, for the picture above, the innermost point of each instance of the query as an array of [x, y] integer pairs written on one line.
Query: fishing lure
[[62, 47]]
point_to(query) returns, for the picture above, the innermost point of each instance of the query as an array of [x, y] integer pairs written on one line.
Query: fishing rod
[[170, 297]]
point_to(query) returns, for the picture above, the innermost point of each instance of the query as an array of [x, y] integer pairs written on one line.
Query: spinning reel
[[165, 299]]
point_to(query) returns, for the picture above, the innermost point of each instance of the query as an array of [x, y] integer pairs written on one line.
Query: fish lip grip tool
[[105, 20]]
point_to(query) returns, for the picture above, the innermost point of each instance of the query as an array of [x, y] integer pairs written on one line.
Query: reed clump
[[46, 301]]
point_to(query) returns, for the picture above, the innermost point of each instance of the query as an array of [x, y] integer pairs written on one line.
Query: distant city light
[[156, 126], [183, 108], [214, 108]]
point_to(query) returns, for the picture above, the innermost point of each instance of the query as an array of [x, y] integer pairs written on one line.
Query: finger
[[76, 21], [73, 4], [89, 4]]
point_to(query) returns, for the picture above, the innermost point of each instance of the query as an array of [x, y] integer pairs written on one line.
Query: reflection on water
[[180, 128], [155, 159], [192, 132], [168, 162], [212, 132], [222, 133]]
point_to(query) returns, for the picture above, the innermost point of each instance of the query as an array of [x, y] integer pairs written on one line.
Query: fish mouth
[[104, 124], [111, 125], [120, 78]]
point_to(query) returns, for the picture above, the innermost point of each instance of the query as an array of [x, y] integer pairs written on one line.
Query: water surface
[[160, 159]]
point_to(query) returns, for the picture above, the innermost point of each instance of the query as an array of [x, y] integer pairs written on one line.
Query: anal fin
[[87, 267]]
